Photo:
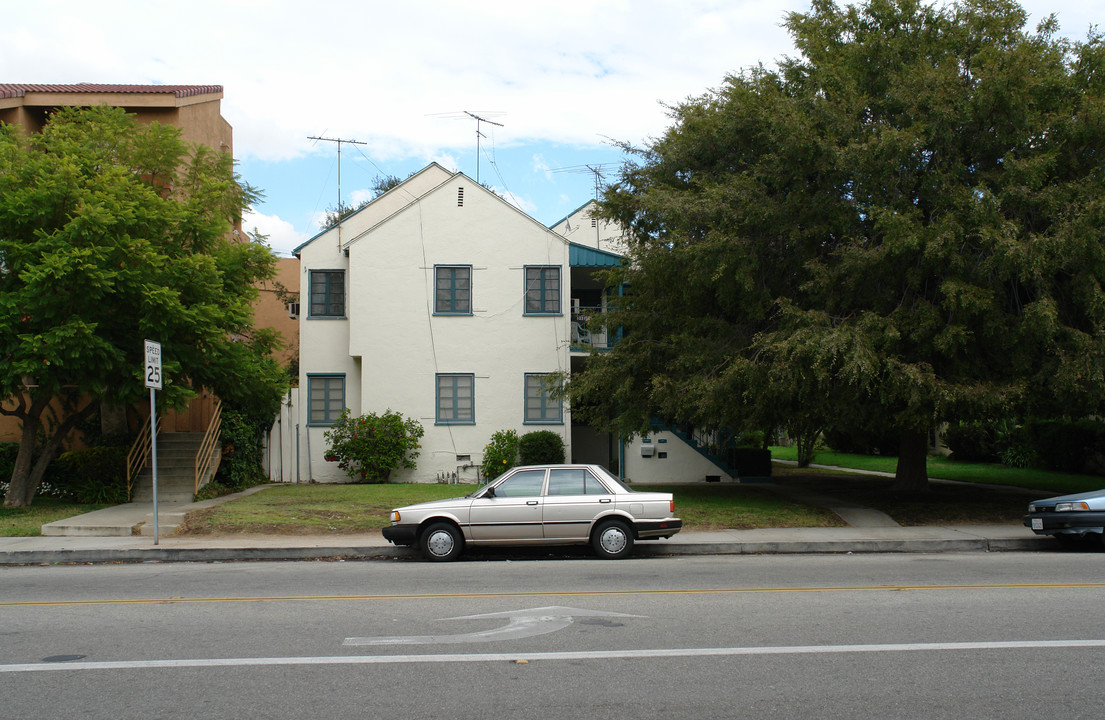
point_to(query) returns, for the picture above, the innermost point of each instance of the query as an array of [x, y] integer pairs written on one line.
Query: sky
[[559, 86]]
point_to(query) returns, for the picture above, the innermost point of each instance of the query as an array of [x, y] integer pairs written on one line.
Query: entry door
[[514, 512]]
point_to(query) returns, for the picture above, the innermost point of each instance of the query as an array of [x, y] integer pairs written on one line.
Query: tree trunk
[[806, 441], [912, 473], [26, 476], [21, 490]]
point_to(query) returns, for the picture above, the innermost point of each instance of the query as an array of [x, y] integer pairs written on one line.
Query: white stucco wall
[[682, 464], [391, 346], [582, 229]]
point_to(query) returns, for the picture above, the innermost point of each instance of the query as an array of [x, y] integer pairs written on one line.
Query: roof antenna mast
[[478, 136], [339, 142]]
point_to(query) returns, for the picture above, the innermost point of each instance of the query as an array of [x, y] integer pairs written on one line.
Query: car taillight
[[672, 509]]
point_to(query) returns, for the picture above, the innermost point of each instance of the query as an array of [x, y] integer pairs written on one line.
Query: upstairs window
[[453, 290], [542, 290], [327, 293]]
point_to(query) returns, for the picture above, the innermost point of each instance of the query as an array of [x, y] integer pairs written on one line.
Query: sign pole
[[153, 459], [152, 373]]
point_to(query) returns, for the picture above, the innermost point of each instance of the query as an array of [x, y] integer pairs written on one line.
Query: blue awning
[[583, 256]]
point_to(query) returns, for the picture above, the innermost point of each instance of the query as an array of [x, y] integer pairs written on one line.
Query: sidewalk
[[125, 534]]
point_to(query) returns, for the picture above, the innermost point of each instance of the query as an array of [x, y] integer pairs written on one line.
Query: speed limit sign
[[152, 371]]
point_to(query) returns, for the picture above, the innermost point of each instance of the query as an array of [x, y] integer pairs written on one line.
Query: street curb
[[379, 552]]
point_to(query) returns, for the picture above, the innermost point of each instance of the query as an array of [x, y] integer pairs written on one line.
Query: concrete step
[[176, 474], [122, 520]]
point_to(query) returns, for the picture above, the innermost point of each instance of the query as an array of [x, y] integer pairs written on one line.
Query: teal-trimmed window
[[327, 293], [456, 399], [326, 395], [541, 408], [452, 289], [542, 290]]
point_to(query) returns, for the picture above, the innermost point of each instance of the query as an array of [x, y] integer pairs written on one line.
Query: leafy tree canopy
[[111, 232], [899, 225]]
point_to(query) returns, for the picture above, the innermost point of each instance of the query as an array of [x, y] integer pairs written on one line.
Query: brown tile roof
[[12, 90]]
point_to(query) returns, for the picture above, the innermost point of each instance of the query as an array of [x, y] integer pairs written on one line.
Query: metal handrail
[[139, 455], [206, 460]]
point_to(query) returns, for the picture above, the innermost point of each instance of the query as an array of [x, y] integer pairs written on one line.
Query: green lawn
[[1046, 481], [322, 509], [325, 509], [316, 509], [28, 521]]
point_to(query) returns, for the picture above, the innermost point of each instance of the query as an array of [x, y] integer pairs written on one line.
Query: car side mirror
[[489, 493]]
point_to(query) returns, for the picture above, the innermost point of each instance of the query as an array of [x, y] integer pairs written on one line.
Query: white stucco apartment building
[[445, 303]]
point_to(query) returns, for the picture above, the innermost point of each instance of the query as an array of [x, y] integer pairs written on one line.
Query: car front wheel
[[612, 540], [441, 542]]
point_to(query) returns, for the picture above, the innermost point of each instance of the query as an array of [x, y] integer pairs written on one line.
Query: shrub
[[243, 449], [541, 447], [1068, 446], [862, 440], [369, 447], [971, 441], [500, 454], [91, 475], [8, 451]]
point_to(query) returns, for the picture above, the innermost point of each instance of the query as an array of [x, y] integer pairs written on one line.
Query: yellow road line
[[581, 593]]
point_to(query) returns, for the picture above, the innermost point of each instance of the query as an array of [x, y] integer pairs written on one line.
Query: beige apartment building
[[196, 110]]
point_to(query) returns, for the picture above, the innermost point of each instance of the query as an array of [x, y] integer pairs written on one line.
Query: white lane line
[[580, 655]]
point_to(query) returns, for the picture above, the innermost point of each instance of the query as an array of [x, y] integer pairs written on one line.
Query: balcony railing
[[589, 330]]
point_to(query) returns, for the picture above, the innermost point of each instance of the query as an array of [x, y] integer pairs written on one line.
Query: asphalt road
[[866, 636]]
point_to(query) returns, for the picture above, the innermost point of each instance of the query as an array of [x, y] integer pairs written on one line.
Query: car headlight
[[1070, 506], [1031, 507], [395, 516]]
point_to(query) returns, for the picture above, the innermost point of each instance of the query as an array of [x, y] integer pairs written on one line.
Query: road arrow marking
[[523, 624]]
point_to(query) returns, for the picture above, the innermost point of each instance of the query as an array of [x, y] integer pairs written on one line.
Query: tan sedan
[[539, 505]]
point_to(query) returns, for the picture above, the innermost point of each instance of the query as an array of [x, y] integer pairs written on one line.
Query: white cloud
[[566, 73], [282, 236]]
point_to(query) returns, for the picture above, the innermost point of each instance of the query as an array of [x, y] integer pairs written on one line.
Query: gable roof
[[401, 207], [571, 214]]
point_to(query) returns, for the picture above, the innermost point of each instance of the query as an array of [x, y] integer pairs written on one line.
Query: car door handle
[[605, 500], [531, 502]]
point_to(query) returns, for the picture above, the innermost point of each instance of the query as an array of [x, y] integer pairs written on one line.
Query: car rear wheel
[[441, 542], [612, 540]]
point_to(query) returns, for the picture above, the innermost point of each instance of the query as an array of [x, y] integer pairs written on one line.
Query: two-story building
[[442, 301]]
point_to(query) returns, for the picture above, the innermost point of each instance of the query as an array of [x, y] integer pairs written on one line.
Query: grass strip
[[1046, 481], [28, 521]]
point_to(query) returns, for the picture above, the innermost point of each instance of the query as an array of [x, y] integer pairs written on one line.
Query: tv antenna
[[599, 170], [339, 141], [479, 134]]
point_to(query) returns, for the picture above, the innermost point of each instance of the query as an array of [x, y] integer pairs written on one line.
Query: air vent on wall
[[293, 309], [460, 197]]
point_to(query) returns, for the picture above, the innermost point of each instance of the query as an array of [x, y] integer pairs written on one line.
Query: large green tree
[[112, 232], [903, 223]]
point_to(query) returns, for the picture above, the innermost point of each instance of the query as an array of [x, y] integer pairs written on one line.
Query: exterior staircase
[[717, 447], [176, 469]]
